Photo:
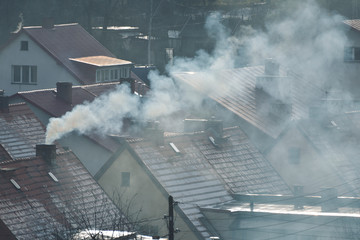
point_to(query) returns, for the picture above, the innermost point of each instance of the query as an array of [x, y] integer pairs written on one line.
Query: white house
[[38, 57]]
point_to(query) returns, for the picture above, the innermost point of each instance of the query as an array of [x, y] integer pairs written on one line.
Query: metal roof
[[20, 131], [235, 89], [203, 174]]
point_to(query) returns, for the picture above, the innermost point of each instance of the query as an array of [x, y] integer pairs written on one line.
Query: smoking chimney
[[131, 82], [47, 152], [154, 133], [4, 103], [64, 91]]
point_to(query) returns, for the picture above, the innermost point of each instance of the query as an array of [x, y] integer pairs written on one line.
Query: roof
[[237, 92], [68, 41], [337, 139], [101, 61], [34, 205], [354, 23], [203, 174], [20, 131]]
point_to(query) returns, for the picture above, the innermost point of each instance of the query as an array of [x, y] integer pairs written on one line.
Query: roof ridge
[[55, 25]]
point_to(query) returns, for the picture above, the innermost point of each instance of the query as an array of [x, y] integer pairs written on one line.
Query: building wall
[[312, 171], [48, 70], [143, 196]]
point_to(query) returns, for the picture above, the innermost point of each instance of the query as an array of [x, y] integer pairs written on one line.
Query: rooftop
[[101, 61]]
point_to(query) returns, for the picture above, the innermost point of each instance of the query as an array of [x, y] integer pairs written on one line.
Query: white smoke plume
[[308, 41]]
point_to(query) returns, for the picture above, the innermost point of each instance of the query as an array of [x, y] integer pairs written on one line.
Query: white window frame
[[107, 74], [32, 77]]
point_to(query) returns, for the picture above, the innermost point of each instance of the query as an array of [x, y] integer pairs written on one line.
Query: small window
[[352, 54], [24, 45], [294, 155], [125, 179]]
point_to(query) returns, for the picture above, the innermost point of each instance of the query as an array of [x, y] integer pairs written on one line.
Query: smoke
[[307, 42]]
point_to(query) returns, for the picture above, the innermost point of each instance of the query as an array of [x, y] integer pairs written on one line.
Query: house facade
[[38, 57]]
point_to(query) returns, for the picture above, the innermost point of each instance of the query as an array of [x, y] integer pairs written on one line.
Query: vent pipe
[[64, 91], [47, 152]]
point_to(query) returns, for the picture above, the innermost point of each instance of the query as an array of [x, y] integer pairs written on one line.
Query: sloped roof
[[237, 93], [338, 138], [203, 174], [67, 41], [20, 131], [42, 206], [354, 23]]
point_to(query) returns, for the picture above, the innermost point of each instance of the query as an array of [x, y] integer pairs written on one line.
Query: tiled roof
[[203, 174], [68, 41], [20, 131], [41, 206], [237, 92], [101, 61], [354, 23]]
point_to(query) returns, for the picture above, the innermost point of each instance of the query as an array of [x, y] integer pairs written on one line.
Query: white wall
[[48, 70]]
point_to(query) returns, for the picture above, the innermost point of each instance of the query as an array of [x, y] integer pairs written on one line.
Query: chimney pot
[[47, 152], [64, 91]]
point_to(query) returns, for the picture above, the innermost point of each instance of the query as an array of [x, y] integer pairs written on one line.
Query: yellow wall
[[146, 196]]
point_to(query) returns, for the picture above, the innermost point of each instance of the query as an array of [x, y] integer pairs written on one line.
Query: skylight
[[174, 148], [53, 177], [15, 183]]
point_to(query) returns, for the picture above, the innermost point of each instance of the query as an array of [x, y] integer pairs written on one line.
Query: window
[[24, 45], [351, 54], [125, 179], [294, 155], [24, 74], [107, 74]]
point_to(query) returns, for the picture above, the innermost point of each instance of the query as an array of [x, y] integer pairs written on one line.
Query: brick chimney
[[64, 91], [48, 23], [47, 152]]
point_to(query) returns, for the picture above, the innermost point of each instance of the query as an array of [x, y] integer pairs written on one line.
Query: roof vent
[[64, 91], [47, 152], [15, 184]]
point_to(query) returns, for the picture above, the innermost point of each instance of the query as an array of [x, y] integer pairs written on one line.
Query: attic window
[[15, 184], [53, 177], [24, 45], [174, 148]]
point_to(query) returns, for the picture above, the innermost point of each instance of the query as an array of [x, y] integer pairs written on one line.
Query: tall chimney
[[64, 91], [47, 152], [4, 104]]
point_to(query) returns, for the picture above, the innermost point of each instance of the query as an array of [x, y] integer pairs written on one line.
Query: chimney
[[194, 125], [215, 126], [48, 23], [329, 201], [64, 91], [47, 152], [154, 133], [299, 194], [271, 67], [4, 103], [129, 81]]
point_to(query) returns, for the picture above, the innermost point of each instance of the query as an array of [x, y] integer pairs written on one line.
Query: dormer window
[[112, 74], [24, 45]]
